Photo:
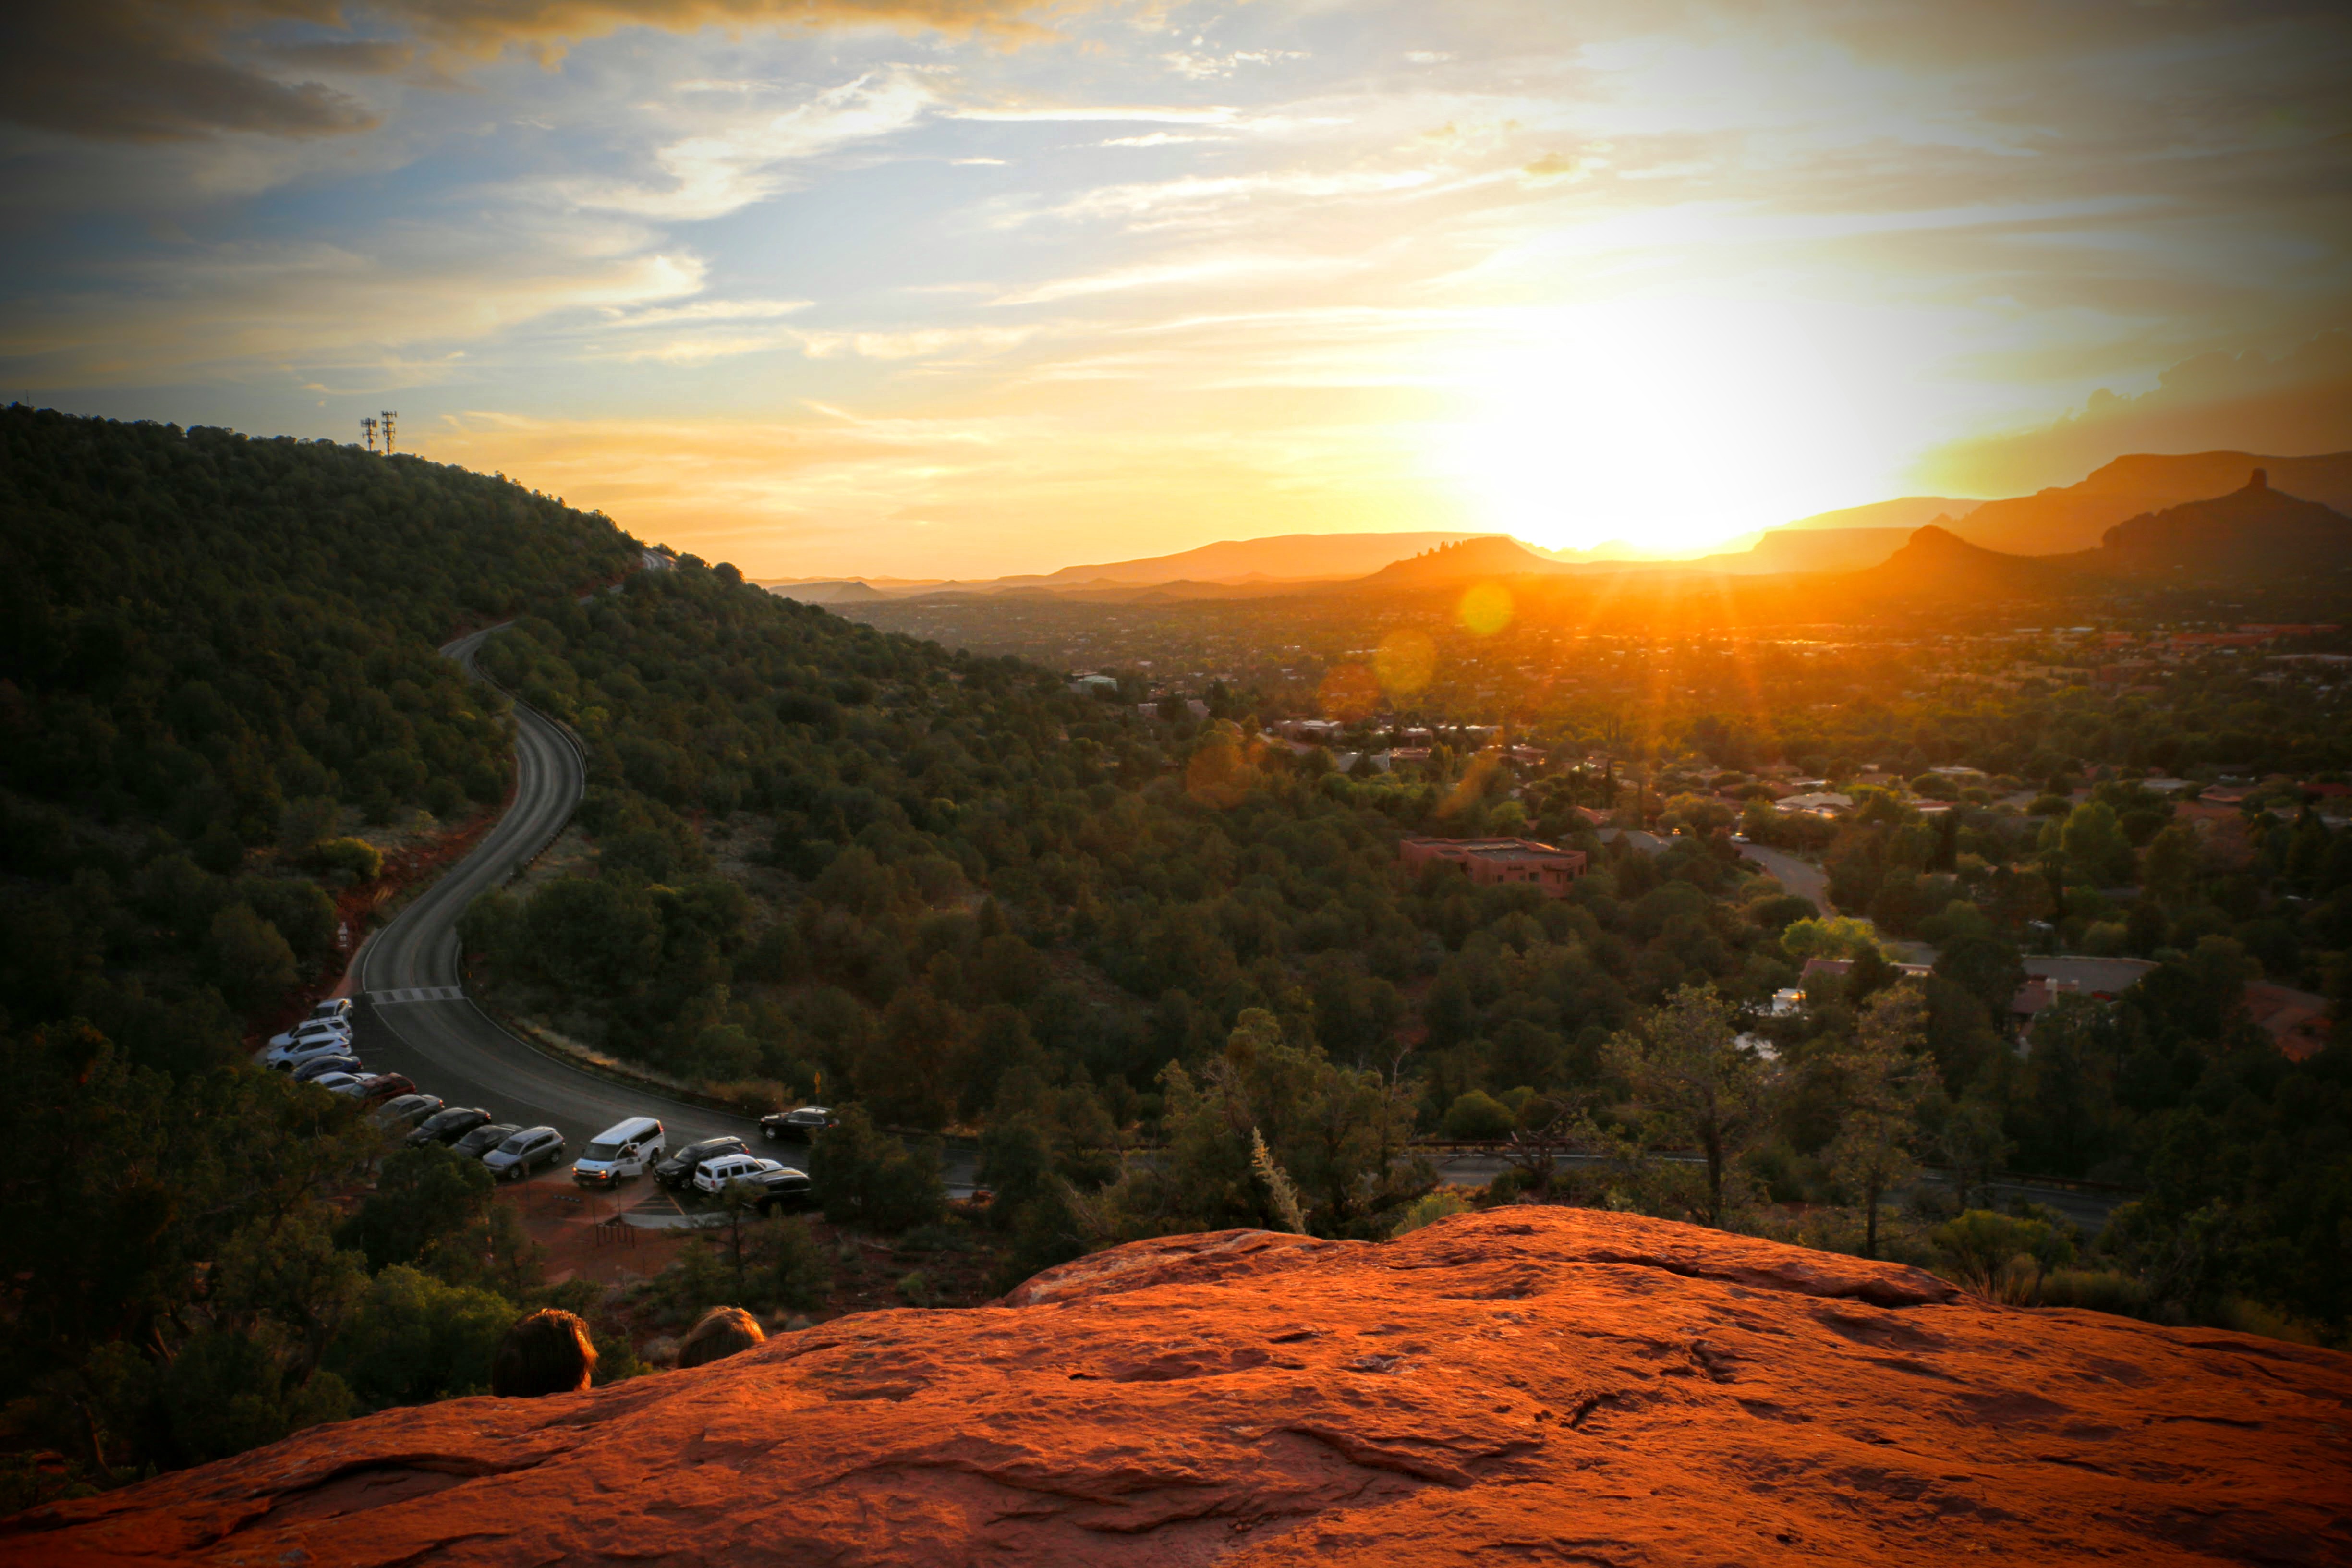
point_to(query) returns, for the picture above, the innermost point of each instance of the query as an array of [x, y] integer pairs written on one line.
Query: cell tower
[[367, 428], [388, 416]]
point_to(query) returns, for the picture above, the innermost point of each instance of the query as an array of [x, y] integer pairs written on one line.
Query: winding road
[[414, 1015]]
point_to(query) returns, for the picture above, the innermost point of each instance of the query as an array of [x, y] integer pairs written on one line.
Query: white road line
[[418, 993]]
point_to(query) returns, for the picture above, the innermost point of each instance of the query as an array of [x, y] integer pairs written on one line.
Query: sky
[[962, 288]]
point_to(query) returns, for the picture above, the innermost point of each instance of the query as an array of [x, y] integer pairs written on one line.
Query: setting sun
[[1669, 422]]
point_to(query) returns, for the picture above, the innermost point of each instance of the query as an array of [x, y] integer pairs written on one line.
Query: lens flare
[[1487, 609]]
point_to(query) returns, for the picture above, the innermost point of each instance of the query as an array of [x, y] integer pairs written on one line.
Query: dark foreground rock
[[1528, 1385]]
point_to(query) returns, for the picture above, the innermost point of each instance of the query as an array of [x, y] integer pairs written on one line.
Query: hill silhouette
[[1291, 557], [1902, 512], [1488, 556], [1938, 563], [2065, 519], [2252, 533]]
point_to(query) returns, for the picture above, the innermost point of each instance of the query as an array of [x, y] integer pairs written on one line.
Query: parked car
[[677, 1171], [714, 1174], [796, 1126], [449, 1126], [287, 1059], [533, 1148], [342, 1083], [782, 1188], [333, 1007], [484, 1139], [381, 1086], [624, 1150], [307, 1030], [404, 1111], [318, 1065]]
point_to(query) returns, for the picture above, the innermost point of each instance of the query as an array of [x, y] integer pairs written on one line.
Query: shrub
[[2097, 1291], [1440, 1204], [1478, 1117], [362, 860], [802, 1271]]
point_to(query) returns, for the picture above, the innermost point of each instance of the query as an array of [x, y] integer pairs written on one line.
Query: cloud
[[398, 308], [135, 71], [727, 170], [2294, 405], [151, 70]]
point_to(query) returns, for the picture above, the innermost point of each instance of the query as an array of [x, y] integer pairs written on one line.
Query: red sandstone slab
[[1531, 1384]]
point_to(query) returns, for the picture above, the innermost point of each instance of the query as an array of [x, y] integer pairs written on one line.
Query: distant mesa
[[2251, 534], [850, 591], [1939, 565], [1902, 513], [1472, 560], [2061, 521]]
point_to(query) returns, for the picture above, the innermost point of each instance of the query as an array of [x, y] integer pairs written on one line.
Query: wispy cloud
[[728, 168]]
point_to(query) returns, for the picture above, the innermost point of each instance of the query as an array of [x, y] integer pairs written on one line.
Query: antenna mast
[[388, 416], [367, 428]]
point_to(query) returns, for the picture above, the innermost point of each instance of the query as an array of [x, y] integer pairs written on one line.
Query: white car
[[335, 1007], [626, 1149], [712, 1175], [288, 1058], [348, 1085], [310, 1029]]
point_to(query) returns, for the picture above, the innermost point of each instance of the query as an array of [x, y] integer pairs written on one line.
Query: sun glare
[[1670, 423]]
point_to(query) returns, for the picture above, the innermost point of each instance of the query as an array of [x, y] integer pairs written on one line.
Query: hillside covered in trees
[[218, 677]]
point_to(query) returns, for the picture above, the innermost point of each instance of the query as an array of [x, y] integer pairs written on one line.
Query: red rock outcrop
[[1530, 1385]]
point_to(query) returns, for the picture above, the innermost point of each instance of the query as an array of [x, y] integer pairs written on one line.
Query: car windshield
[[603, 1151]]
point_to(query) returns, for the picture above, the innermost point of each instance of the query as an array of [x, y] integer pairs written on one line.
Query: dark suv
[[677, 1171], [797, 1126], [786, 1189]]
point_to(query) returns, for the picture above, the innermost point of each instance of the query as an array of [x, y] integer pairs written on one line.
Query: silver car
[[532, 1149]]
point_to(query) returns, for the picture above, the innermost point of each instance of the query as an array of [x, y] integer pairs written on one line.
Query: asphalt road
[[1804, 881], [412, 1016]]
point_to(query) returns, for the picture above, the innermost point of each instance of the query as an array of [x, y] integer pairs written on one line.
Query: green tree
[[1692, 1082], [2174, 856], [255, 965], [410, 1339], [867, 1179], [1886, 1077], [424, 1197], [2095, 846]]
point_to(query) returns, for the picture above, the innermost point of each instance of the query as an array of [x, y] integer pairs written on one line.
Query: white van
[[626, 1149]]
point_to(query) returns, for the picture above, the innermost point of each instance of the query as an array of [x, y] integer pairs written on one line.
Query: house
[[1490, 861], [1820, 803], [1823, 969], [2297, 1020]]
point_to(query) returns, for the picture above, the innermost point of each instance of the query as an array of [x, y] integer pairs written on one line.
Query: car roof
[[621, 1131], [713, 1142], [533, 1131]]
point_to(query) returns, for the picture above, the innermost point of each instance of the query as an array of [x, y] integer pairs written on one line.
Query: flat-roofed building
[[1489, 861]]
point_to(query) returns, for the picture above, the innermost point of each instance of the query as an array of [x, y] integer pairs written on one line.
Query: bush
[[356, 857], [2097, 1291], [414, 1338], [1440, 1204], [1478, 1117], [800, 1266]]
